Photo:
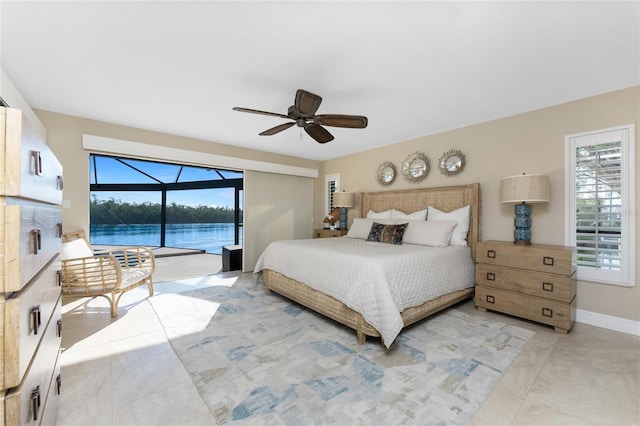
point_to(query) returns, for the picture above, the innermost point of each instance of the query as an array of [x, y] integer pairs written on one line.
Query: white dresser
[[30, 303]]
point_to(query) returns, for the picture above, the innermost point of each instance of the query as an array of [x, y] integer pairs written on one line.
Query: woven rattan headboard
[[445, 198]]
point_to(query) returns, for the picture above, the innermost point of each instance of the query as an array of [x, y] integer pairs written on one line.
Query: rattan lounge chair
[[108, 273]]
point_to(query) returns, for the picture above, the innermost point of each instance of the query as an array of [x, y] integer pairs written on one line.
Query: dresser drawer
[[50, 408], [535, 257], [30, 169], [27, 314], [551, 312], [24, 404], [541, 284], [32, 238]]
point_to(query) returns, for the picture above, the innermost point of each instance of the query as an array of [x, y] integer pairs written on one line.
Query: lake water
[[205, 236]]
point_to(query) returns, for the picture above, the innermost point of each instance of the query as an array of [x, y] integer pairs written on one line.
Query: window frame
[[328, 194], [626, 276]]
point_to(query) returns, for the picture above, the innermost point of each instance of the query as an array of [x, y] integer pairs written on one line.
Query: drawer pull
[[58, 384], [59, 229], [36, 318], [547, 286], [491, 276], [547, 261], [491, 299], [60, 183], [59, 277], [59, 327], [36, 237], [546, 312], [37, 163], [491, 254], [35, 402]]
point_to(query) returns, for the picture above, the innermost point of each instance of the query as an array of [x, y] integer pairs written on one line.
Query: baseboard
[[609, 322]]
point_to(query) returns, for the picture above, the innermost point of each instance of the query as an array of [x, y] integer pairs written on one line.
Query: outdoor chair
[[108, 273]]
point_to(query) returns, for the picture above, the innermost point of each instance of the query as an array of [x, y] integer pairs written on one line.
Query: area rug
[[259, 359]]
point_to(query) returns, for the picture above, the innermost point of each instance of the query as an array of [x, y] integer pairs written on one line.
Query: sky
[[110, 170]]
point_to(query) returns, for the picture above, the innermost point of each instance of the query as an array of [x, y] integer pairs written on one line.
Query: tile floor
[[124, 372]]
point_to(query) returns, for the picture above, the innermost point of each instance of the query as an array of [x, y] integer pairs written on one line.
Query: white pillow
[[461, 216], [75, 249], [360, 227], [434, 233], [419, 215], [379, 215]]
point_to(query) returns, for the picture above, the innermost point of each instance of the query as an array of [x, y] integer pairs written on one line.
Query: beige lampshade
[[524, 189], [344, 199]]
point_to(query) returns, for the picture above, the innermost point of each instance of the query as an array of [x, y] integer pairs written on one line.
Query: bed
[[289, 269]]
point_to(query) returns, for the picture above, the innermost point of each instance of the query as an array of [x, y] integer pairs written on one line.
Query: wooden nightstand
[[536, 282], [328, 233]]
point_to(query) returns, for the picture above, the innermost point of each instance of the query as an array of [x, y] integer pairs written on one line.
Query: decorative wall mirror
[[416, 167], [386, 173], [452, 162]]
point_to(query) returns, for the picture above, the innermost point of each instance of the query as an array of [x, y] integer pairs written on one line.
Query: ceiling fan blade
[[319, 133], [277, 129], [307, 103], [257, 111], [337, 120]]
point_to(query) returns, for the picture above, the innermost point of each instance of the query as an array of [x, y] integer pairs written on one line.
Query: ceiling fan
[[302, 112]]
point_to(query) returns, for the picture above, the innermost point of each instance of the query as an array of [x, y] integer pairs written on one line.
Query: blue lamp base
[[343, 218], [522, 223]]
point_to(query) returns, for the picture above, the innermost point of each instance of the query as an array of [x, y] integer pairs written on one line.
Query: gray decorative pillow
[[389, 234]]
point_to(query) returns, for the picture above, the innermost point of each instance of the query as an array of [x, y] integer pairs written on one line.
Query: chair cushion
[[134, 275], [75, 249]]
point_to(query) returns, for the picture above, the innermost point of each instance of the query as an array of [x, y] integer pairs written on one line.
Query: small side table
[[329, 233], [231, 258]]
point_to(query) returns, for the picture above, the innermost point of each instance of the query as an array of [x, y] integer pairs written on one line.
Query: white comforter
[[376, 279]]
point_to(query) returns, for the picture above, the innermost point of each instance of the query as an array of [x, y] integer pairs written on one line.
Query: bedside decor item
[[524, 190], [452, 162], [344, 200], [386, 173], [415, 167], [332, 217]]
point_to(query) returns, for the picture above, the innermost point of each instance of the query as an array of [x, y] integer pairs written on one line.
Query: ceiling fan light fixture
[[302, 112]]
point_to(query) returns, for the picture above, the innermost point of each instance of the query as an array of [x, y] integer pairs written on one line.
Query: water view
[[204, 236]]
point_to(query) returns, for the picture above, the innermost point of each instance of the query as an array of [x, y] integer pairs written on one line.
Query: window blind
[[599, 205]]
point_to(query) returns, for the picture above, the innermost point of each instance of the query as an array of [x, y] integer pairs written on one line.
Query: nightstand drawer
[[550, 286], [551, 312], [535, 257]]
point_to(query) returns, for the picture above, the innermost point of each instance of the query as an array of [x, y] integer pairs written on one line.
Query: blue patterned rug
[[259, 359]]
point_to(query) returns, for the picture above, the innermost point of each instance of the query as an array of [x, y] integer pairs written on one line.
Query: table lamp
[[524, 190], [344, 200]]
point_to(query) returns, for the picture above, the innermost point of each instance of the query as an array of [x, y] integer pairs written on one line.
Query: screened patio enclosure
[[140, 202]]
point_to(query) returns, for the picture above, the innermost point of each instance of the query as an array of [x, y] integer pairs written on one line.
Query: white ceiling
[[413, 68]]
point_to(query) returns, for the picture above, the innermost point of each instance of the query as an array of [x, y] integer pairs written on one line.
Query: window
[[600, 201], [141, 202], [331, 185]]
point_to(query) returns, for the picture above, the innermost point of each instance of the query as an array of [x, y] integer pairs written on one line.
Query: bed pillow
[[461, 216], [360, 227], [379, 215], [434, 233], [389, 234], [399, 214]]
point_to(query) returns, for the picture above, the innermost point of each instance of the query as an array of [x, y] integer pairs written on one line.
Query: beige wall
[[531, 143], [65, 139]]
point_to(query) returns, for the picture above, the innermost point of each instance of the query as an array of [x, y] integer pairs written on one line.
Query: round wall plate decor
[[415, 167], [452, 162]]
